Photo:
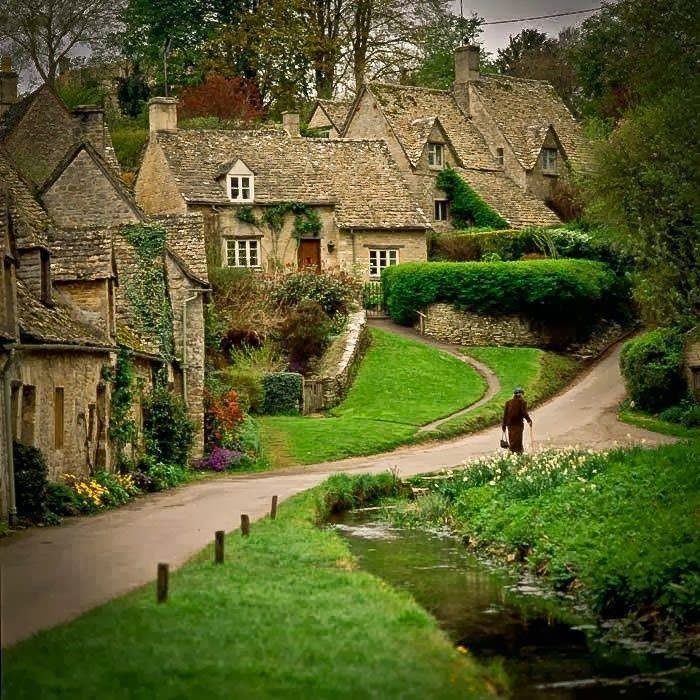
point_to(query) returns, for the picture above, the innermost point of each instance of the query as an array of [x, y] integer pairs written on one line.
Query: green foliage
[[466, 207], [553, 290], [61, 499], [306, 221], [686, 414], [305, 333], [248, 384], [168, 431], [122, 428], [75, 93], [31, 481], [283, 392], [153, 475], [116, 494], [128, 142], [652, 366], [132, 93], [147, 288]]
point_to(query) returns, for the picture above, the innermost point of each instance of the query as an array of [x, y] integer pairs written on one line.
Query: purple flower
[[220, 459]]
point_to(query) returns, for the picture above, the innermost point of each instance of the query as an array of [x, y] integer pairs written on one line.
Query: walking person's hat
[[518, 391]]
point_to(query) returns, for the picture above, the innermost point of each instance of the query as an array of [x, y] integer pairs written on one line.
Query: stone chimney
[[290, 122], [162, 114], [92, 125], [8, 84], [466, 71]]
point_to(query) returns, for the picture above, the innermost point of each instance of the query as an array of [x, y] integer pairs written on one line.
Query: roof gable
[[334, 111]]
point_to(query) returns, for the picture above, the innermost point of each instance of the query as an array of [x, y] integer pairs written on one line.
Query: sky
[[496, 36]]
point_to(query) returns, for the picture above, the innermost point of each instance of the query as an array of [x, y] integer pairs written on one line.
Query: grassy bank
[[617, 528], [401, 385], [655, 424], [541, 374], [285, 616]]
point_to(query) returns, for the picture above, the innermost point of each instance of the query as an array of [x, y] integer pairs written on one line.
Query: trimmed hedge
[[31, 482], [652, 366], [283, 392], [548, 290], [466, 207]]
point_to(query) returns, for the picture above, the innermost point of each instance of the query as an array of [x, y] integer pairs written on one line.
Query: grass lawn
[[541, 374], [651, 422], [285, 616], [401, 384]]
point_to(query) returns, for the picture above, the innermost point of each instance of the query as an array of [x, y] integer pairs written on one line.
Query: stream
[[494, 614]]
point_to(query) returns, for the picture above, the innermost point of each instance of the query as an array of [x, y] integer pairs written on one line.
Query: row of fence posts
[[162, 581]]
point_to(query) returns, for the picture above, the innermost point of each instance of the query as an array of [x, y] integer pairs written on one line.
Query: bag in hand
[[504, 442]]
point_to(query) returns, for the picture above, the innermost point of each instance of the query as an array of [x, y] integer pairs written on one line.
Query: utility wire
[[559, 14]]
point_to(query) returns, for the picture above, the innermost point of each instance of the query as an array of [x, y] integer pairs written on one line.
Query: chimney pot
[[466, 64], [162, 114], [290, 123], [8, 84], [6, 64]]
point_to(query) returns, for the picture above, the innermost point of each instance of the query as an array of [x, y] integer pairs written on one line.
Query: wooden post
[[245, 525], [273, 509], [162, 586], [219, 546]]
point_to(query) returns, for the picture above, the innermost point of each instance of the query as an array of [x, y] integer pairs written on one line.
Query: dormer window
[[549, 160], [499, 156], [240, 183], [436, 154]]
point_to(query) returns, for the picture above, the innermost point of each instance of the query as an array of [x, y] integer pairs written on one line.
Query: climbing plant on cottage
[[466, 207]]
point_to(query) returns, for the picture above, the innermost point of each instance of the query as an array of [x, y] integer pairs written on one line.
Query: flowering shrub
[[220, 459], [103, 490], [223, 414], [90, 492]]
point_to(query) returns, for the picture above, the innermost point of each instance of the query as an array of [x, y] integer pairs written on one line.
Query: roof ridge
[[410, 87], [500, 76]]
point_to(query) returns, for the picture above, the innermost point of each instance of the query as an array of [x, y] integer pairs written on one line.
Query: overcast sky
[[496, 36]]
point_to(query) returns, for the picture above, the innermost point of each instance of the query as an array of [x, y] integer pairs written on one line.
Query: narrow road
[[51, 575]]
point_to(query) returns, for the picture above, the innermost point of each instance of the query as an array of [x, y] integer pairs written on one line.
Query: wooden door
[[309, 254]]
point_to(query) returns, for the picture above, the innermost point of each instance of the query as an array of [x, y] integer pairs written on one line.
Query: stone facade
[[156, 189], [692, 361]]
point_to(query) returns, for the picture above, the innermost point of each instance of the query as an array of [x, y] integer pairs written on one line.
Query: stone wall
[[83, 196], [337, 375], [92, 299], [4, 466], [86, 399], [539, 182], [29, 270], [445, 322], [155, 189], [692, 362]]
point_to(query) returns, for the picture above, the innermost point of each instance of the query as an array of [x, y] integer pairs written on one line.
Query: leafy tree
[[225, 98], [132, 92]]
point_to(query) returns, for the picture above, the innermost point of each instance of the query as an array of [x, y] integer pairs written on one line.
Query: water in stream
[[493, 615]]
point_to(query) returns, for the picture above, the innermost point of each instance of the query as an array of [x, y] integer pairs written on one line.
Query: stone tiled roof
[[81, 254], [524, 110], [358, 176], [52, 324], [409, 111], [31, 221], [185, 239], [517, 207], [337, 111]]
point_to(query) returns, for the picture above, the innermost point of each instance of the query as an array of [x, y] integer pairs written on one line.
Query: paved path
[[493, 386], [51, 575]]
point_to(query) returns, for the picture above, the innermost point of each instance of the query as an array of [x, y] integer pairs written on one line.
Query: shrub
[[225, 98], [31, 481], [687, 414], [652, 366], [223, 415], [129, 142], [248, 385], [167, 430], [152, 475], [305, 333], [61, 499], [89, 493], [466, 207], [221, 459], [283, 391], [248, 437], [333, 292], [553, 290]]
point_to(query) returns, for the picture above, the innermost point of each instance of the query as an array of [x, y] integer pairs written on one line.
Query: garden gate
[[373, 300]]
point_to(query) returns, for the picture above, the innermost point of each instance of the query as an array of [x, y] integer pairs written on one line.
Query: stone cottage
[[328, 117], [272, 198], [508, 138]]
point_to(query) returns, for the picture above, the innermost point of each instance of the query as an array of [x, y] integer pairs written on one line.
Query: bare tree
[[46, 31], [325, 48]]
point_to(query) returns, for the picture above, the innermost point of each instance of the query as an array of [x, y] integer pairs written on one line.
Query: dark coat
[[515, 412]]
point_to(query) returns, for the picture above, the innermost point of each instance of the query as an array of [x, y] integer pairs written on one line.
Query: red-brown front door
[[309, 254]]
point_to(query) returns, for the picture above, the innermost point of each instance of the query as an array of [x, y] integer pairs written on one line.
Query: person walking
[[514, 415]]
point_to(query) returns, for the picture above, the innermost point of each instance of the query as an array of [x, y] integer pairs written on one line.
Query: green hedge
[[283, 392], [652, 366], [549, 290], [466, 207]]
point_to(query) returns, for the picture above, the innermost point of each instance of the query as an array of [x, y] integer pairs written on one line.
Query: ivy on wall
[[466, 207], [146, 286], [122, 429]]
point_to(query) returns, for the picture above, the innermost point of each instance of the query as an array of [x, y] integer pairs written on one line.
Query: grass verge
[[618, 528], [656, 425], [285, 616], [400, 385]]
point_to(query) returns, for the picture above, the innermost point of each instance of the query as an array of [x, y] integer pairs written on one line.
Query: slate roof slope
[[409, 109], [81, 254], [524, 109], [52, 324], [185, 239], [517, 207], [337, 111], [32, 221], [359, 177]]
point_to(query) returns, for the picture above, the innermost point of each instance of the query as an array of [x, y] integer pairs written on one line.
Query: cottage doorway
[[309, 254]]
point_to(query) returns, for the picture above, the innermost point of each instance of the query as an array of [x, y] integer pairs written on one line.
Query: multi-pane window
[[499, 156], [549, 160], [242, 252], [240, 188], [436, 155], [379, 259], [441, 210]]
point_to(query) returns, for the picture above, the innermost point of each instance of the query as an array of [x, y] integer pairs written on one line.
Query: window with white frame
[[441, 210], [549, 160], [499, 156], [240, 188], [242, 252], [381, 258], [436, 155]]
